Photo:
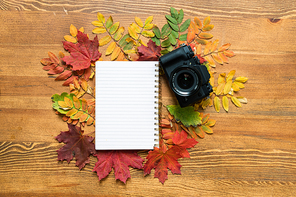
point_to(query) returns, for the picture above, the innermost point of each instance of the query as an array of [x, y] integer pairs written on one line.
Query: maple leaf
[[120, 161], [77, 145], [149, 53], [163, 159], [182, 143], [83, 53]]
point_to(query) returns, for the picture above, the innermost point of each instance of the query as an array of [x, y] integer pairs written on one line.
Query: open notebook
[[126, 105]]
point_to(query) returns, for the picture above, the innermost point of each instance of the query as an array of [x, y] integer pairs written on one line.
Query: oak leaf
[[149, 53], [120, 160], [77, 145], [83, 53]]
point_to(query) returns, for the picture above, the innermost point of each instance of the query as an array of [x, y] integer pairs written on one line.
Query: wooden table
[[252, 151]]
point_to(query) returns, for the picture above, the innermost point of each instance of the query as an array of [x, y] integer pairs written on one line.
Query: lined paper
[[126, 105]]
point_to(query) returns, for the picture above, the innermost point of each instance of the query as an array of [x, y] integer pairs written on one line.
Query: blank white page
[[126, 105]]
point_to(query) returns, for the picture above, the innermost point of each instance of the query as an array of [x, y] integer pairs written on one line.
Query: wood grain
[[252, 151]]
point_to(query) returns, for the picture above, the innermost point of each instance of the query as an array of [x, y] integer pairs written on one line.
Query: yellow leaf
[[239, 84], [236, 102], [110, 48], [198, 22], [142, 43], [242, 99], [80, 93], [84, 104], [97, 23], [76, 102], [221, 78], [210, 60], [73, 30], [63, 104], [89, 121], [205, 35], [199, 132], [118, 34], [70, 39], [136, 27], [101, 18], [132, 32], [105, 40], [217, 58], [61, 54], [115, 53], [71, 112], [201, 41], [224, 47], [225, 103], [148, 34], [220, 88], [228, 53], [207, 48], [208, 27], [92, 75], [139, 21], [207, 21], [217, 104], [129, 39], [198, 49], [76, 84], [68, 102], [84, 84], [148, 26], [83, 117], [230, 75], [214, 45], [99, 30], [81, 29], [193, 27], [207, 129], [77, 116], [148, 20], [241, 79], [227, 87], [235, 87]]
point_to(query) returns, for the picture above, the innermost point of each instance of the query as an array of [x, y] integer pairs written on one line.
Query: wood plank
[[251, 152]]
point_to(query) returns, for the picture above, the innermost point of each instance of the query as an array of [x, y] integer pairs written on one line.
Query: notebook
[[126, 105]]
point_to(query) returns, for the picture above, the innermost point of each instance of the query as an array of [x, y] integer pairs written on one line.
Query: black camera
[[187, 77]]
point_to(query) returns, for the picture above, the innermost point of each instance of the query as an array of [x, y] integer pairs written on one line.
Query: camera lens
[[185, 80]]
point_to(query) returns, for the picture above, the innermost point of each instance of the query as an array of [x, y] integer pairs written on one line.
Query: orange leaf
[[76, 84], [217, 58], [229, 53], [214, 45], [198, 49], [198, 22], [78, 115], [70, 39], [205, 35], [207, 21], [90, 120], [63, 104], [224, 47], [68, 102], [83, 117], [210, 61], [223, 57], [120, 57], [73, 30], [76, 102], [199, 132], [207, 48], [190, 36], [194, 27], [71, 112], [84, 84]]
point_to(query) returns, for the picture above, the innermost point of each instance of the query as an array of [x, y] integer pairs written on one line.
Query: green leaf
[[172, 39], [122, 41], [128, 46], [156, 31], [185, 25], [109, 22], [163, 52], [175, 34], [114, 28], [173, 26], [165, 31], [166, 43], [171, 19], [156, 40], [180, 16], [186, 115], [174, 13], [170, 48], [56, 98], [183, 37]]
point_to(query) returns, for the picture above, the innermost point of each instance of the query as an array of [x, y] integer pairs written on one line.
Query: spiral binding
[[156, 139]]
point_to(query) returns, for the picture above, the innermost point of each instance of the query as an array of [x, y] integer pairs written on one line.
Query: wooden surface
[[252, 151]]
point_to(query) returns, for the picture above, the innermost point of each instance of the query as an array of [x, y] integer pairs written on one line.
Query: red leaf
[[87, 73], [201, 59], [162, 159], [120, 161], [56, 70], [181, 142], [69, 80], [65, 75], [77, 145], [83, 53], [150, 53]]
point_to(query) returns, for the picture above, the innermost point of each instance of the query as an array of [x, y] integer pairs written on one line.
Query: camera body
[[187, 77]]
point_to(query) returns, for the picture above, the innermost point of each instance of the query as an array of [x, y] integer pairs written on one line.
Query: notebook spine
[[156, 129]]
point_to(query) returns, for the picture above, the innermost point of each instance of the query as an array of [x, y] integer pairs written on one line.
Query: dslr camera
[[186, 76]]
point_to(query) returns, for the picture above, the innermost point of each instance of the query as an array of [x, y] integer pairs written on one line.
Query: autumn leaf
[[83, 53], [162, 159], [205, 126], [149, 53], [77, 145], [119, 160], [182, 143], [186, 115]]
